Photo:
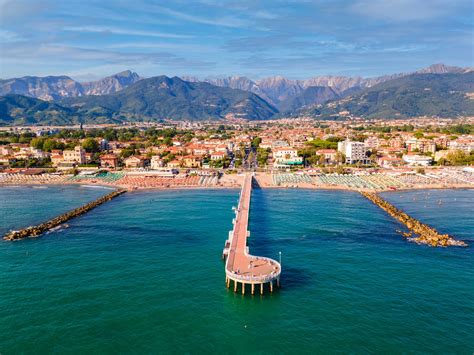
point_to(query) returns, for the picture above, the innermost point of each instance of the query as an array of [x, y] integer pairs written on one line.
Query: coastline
[[234, 186]]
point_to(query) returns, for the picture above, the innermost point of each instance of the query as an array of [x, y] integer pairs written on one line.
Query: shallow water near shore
[[143, 273]]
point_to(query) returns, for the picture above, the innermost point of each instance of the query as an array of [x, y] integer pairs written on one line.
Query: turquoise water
[[143, 273]]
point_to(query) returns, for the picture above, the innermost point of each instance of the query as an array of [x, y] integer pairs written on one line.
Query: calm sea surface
[[143, 274]]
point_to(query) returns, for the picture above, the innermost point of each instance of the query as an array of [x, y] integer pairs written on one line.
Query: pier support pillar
[[253, 289], [235, 286], [261, 289], [228, 283], [271, 286], [278, 282], [243, 288]]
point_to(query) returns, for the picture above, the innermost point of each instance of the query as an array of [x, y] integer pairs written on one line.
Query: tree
[[50, 144], [256, 142], [37, 143], [90, 145]]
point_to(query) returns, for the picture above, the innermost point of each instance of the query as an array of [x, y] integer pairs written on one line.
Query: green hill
[[173, 98], [22, 110], [442, 95]]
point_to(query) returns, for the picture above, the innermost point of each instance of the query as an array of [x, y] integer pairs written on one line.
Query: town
[[373, 155]]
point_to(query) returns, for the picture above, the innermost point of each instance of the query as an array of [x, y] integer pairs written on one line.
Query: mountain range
[[279, 90], [442, 95], [149, 99], [438, 90], [51, 88]]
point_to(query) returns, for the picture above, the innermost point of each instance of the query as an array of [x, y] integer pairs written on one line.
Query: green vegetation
[[262, 156], [90, 145], [172, 98], [152, 99], [457, 157], [442, 95], [220, 163], [22, 110]]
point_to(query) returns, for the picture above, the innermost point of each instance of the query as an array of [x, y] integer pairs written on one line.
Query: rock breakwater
[[35, 231], [426, 234]]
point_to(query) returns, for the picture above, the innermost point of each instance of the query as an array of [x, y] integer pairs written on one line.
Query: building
[[218, 155], [76, 156], [421, 145], [56, 157], [156, 162], [135, 162], [389, 162], [104, 144], [286, 157], [371, 142], [417, 160], [174, 164], [441, 154], [355, 152], [330, 155], [466, 145], [191, 161], [109, 161]]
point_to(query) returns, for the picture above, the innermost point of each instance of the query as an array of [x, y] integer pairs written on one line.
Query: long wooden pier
[[35, 231], [241, 267]]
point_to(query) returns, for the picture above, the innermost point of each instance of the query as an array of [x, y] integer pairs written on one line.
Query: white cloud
[[124, 31], [226, 21], [10, 37]]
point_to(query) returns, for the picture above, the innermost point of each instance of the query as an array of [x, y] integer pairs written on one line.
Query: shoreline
[[236, 186]]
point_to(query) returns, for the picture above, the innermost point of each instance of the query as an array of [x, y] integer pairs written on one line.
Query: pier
[[426, 234], [35, 231], [241, 268]]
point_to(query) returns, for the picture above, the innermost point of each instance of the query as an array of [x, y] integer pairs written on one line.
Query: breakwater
[[35, 231], [426, 234]]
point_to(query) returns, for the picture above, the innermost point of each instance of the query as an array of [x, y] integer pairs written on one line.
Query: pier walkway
[[240, 266]]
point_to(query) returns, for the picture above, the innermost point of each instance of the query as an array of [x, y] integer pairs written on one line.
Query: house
[[174, 164], [56, 157], [156, 162], [389, 162], [372, 142], [109, 161], [191, 161], [218, 155], [328, 154], [135, 161]]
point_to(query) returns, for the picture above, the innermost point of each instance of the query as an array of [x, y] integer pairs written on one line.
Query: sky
[[89, 39]]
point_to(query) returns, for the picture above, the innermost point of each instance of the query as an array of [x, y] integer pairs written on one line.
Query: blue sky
[[89, 39]]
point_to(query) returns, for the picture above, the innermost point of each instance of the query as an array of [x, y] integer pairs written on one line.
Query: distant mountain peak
[[441, 68], [111, 84]]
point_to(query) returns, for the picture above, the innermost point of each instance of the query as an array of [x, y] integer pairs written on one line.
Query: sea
[[143, 273]]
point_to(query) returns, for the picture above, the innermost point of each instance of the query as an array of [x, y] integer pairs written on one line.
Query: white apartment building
[[78, 155], [355, 152]]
